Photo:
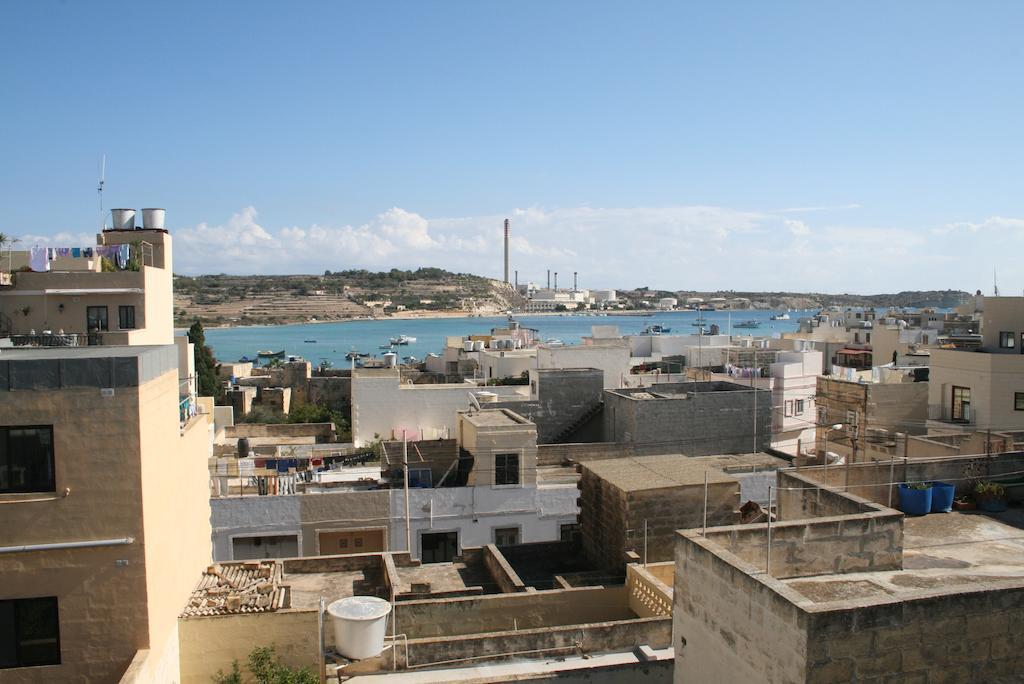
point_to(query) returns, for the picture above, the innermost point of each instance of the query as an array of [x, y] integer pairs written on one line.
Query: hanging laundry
[[124, 254], [37, 259], [76, 252], [63, 251], [87, 252]]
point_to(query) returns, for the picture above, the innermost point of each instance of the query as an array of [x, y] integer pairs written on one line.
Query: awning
[[75, 291]]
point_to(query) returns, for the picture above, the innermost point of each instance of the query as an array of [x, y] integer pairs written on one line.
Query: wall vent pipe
[[55, 546]]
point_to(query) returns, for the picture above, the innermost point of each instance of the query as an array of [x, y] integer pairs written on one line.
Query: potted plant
[[990, 496], [964, 503], [916, 498]]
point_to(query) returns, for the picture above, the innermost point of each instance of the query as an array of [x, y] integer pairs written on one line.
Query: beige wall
[[342, 511], [992, 378], [131, 474], [102, 602], [1002, 314], [209, 644], [176, 506]]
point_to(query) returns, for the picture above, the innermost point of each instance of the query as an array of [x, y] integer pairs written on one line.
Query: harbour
[[332, 342]]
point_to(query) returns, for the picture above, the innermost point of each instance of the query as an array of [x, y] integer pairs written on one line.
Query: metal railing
[[58, 340]]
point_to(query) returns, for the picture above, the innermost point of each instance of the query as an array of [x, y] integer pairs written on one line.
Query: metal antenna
[[99, 190]]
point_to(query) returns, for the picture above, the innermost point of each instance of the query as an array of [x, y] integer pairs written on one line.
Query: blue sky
[[865, 147]]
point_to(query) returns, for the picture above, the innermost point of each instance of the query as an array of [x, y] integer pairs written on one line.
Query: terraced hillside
[[253, 300]]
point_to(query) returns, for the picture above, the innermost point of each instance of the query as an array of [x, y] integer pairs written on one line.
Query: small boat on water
[[403, 339], [386, 346], [780, 317], [309, 341], [554, 343], [270, 355], [699, 323], [655, 329], [353, 355], [748, 324]]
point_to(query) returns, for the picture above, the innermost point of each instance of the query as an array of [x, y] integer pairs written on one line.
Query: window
[[1006, 340], [569, 532], [506, 469], [787, 408], [96, 318], [26, 459], [126, 317], [961, 404], [1018, 401], [29, 632], [419, 477], [506, 536], [798, 407]]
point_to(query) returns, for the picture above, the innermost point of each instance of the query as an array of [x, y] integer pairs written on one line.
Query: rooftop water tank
[[467, 345], [153, 219], [478, 345], [390, 359], [123, 219], [360, 623], [486, 397]]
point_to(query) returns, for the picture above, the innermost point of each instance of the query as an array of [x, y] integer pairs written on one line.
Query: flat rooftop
[[637, 473], [941, 553], [495, 418], [678, 390]]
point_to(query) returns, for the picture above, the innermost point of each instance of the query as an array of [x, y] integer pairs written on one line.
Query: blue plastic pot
[[915, 501], [942, 497]]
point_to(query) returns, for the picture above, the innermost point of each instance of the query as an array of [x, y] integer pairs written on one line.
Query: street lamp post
[[824, 456]]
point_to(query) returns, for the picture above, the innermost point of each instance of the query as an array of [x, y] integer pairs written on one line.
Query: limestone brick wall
[[871, 541], [523, 610], [973, 636], [732, 624], [676, 508]]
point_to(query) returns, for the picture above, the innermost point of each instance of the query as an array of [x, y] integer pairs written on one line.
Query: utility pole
[[405, 464]]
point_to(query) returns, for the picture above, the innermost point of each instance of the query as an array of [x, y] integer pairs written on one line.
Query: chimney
[[517, 281], [556, 281], [574, 281], [506, 251], [549, 278]]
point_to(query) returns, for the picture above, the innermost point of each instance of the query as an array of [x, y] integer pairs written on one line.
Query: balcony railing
[[58, 340]]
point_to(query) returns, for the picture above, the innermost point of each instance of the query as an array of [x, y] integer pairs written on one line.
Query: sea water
[[318, 342]]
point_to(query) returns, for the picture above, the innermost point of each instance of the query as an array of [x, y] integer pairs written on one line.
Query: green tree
[[206, 366]]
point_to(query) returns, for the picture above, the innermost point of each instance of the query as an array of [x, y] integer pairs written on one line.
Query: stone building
[[693, 418], [633, 505]]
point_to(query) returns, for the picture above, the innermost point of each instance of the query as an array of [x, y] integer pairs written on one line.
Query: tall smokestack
[[506, 251], [549, 278], [556, 281], [574, 281], [517, 280]]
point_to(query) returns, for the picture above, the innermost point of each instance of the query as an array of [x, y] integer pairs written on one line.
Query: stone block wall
[[868, 542], [730, 623], [973, 636], [711, 419]]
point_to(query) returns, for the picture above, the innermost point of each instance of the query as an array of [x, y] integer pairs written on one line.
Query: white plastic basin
[[360, 624]]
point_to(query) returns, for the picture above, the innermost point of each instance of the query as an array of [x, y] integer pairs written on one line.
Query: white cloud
[[797, 227], [683, 247], [991, 223]]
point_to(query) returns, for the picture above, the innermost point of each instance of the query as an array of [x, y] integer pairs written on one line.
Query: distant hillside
[[256, 299], [339, 295], [815, 300]]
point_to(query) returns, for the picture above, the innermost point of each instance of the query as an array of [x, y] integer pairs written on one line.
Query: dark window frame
[[5, 460], [1018, 401], [516, 532], [105, 317], [957, 408], [506, 470], [125, 312], [19, 645], [1007, 336]]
